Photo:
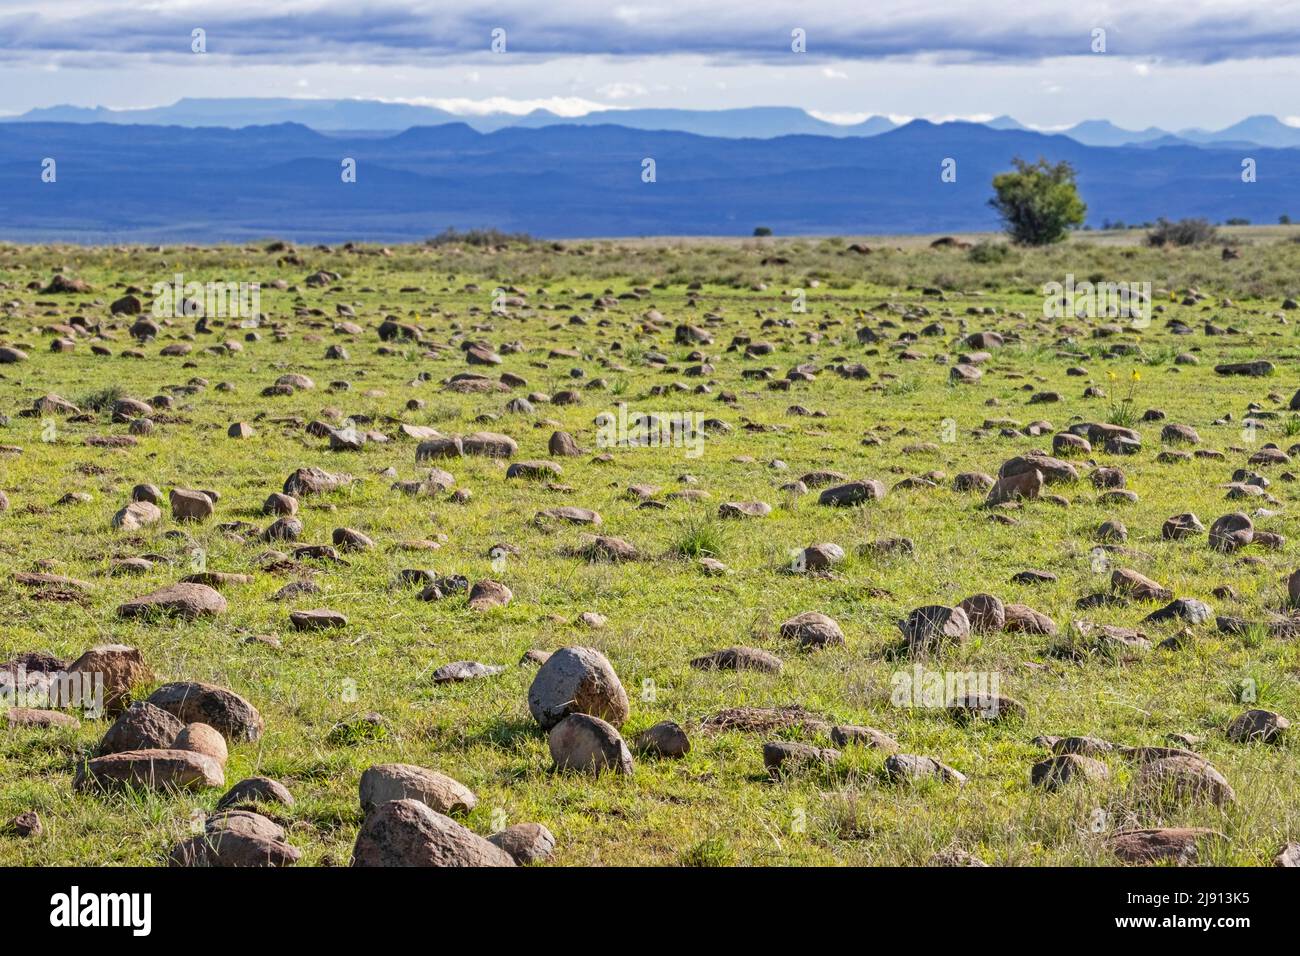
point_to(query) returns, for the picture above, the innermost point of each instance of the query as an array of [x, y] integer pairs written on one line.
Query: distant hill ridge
[[761, 122]]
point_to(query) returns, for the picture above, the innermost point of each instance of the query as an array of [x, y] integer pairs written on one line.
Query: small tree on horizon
[[1039, 202]]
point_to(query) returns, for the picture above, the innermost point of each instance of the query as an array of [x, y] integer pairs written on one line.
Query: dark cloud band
[[1203, 32]]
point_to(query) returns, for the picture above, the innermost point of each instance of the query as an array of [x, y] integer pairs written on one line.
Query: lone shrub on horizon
[[1038, 202], [1184, 232]]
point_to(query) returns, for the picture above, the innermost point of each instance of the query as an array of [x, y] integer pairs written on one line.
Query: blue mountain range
[[763, 122], [150, 183]]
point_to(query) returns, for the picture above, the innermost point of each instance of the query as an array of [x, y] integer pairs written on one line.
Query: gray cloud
[[300, 31]]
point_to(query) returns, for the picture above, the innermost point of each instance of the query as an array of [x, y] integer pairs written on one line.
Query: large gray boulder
[[576, 680]]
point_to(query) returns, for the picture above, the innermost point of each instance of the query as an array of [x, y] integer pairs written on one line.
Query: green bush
[[1039, 202], [988, 253]]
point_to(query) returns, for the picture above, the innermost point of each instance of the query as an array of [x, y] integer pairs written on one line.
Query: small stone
[[986, 613], [847, 734], [255, 790], [926, 629], [26, 825], [1258, 725], [525, 842], [812, 630], [1055, 772], [236, 838], [912, 767], [485, 595], [142, 726], [458, 671], [187, 601], [318, 619], [739, 659], [190, 505], [1152, 846], [1288, 855], [137, 515], [852, 493], [31, 717], [664, 739], [1184, 779], [1189, 610], [120, 667], [787, 756], [222, 709]]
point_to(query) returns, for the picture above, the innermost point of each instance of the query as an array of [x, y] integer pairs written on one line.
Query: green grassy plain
[[716, 806]]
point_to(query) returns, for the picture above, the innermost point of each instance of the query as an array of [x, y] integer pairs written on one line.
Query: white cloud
[[621, 91], [955, 118], [464, 106], [840, 119], [833, 74]]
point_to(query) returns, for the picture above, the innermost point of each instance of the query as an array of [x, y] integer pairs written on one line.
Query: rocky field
[[807, 552]]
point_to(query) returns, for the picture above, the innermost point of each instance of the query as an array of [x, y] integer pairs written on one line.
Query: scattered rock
[[576, 680], [812, 630], [409, 833], [585, 743], [400, 781]]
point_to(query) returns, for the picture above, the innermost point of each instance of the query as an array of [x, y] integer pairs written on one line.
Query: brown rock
[[1026, 484], [121, 667], [187, 601], [153, 769], [586, 743], [409, 833], [1055, 772], [664, 739], [402, 781], [576, 680], [1151, 846], [525, 842], [739, 659], [812, 630], [202, 739], [222, 709], [985, 613], [142, 726]]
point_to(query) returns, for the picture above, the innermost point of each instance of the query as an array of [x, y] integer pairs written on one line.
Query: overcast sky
[[1170, 64]]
